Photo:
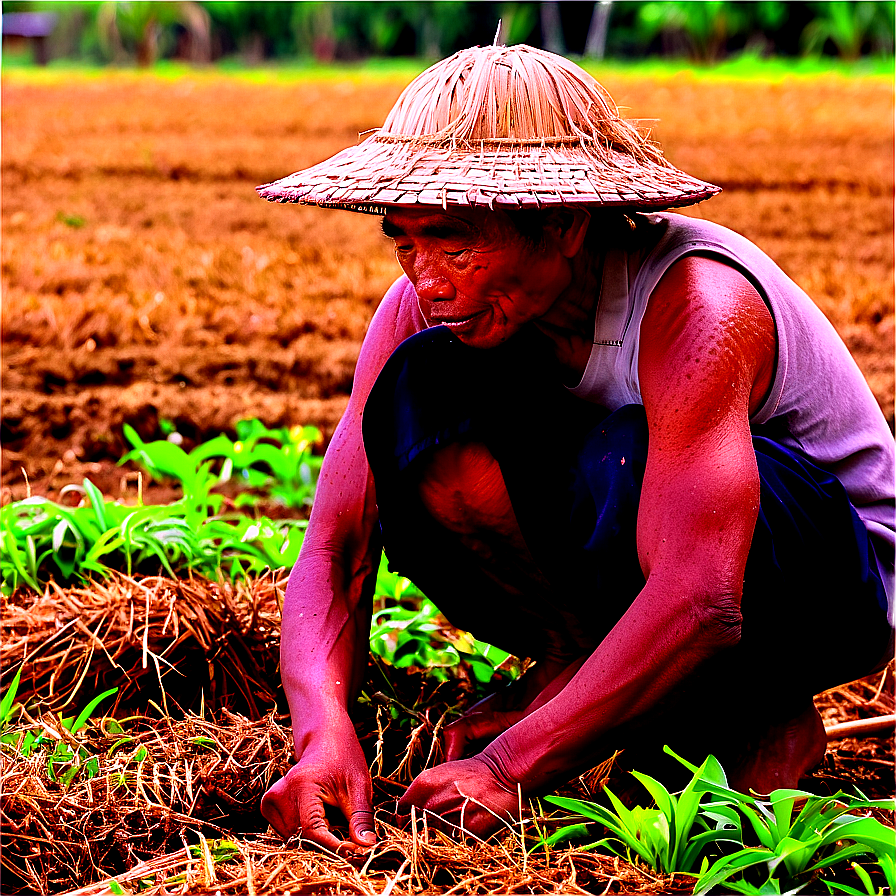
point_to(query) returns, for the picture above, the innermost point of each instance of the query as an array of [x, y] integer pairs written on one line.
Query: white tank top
[[818, 395]]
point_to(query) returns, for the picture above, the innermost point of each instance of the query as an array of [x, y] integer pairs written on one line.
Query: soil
[[144, 281]]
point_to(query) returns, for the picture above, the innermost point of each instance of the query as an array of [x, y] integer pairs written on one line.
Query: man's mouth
[[455, 323]]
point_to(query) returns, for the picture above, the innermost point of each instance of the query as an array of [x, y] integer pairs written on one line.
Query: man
[[708, 540]]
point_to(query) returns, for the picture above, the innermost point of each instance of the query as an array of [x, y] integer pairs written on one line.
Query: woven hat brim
[[380, 174]]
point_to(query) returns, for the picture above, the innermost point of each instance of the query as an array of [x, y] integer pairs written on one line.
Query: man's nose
[[431, 283]]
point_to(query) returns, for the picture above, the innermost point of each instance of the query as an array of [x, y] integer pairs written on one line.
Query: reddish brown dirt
[[144, 280]]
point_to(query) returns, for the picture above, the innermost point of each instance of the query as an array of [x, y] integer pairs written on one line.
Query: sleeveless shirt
[[819, 399]]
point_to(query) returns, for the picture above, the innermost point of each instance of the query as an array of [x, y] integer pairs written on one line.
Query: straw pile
[[155, 785], [868, 762], [186, 640], [159, 814], [401, 863]]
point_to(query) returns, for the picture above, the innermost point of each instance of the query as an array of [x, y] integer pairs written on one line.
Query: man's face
[[474, 273]]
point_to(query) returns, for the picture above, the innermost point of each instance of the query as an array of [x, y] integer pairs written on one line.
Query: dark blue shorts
[[814, 608]]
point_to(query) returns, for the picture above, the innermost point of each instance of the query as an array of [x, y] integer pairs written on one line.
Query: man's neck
[[569, 324]]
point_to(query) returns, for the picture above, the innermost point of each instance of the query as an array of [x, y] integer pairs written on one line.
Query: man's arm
[[326, 613], [707, 353]]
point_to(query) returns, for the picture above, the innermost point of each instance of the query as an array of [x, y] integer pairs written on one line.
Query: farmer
[[614, 440]]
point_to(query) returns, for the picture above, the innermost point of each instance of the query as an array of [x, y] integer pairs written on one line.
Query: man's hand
[[473, 727], [331, 771], [466, 794], [495, 714]]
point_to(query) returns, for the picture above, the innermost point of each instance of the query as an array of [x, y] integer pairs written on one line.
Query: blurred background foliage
[[251, 33]]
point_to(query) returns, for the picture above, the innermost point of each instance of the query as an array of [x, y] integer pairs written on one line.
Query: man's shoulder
[[400, 291], [679, 226], [397, 316]]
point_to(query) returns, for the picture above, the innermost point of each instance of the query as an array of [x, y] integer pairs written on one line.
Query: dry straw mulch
[[159, 814], [164, 797], [155, 782], [189, 639], [401, 863]]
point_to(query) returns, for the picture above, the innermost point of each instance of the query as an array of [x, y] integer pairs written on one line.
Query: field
[[144, 282]]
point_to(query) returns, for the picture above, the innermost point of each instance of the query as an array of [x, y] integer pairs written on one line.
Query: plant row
[[42, 539], [742, 843]]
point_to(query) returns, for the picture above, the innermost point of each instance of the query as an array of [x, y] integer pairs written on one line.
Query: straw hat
[[497, 127]]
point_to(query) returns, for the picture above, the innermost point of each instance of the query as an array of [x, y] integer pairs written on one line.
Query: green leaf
[[841, 855], [623, 825], [833, 886], [98, 503], [864, 877], [85, 713], [771, 887], [795, 854], [868, 832], [9, 697], [726, 867], [761, 826], [566, 834], [888, 865], [665, 802]]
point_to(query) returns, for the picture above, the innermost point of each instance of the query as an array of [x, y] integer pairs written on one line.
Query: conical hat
[[497, 127]]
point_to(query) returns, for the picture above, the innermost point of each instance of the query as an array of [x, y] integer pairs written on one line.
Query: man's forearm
[[652, 649], [324, 636]]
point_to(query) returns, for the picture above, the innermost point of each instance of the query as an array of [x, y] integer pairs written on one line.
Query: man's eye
[[453, 252]]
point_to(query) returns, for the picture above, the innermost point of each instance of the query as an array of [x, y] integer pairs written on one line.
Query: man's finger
[[455, 741], [314, 825], [359, 811], [360, 827]]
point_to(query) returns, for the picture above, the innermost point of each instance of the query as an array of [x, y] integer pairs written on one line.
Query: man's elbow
[[719, 620]]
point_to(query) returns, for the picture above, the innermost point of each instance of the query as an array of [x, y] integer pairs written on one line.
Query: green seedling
[[8, 700], [64, 762], [41, 539], [278, 462], [219, 850], [672, 837], [409, 631], [888, 866], [746, 844]]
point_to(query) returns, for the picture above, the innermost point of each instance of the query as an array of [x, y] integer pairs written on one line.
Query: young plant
[[799, 837], [65, 758], [41, 539], [671, 837], [410, 631], [888, 866], [278, 462]]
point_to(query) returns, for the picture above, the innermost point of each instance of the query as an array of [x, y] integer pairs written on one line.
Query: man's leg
[[463, 490]]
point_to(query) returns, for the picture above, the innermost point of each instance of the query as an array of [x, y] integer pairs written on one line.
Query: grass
[[742, 67]]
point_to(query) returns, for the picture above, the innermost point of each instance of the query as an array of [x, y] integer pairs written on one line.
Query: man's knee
[[462, 488]]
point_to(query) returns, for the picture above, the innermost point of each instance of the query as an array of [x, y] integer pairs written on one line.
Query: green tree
[[705, 27], [255, 30], [850, 27], [139, 28]]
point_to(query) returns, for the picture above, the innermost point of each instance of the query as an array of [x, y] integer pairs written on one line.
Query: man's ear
[[568, 227]]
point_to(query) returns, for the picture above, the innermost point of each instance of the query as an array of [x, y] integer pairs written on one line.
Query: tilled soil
[[143, 279]]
